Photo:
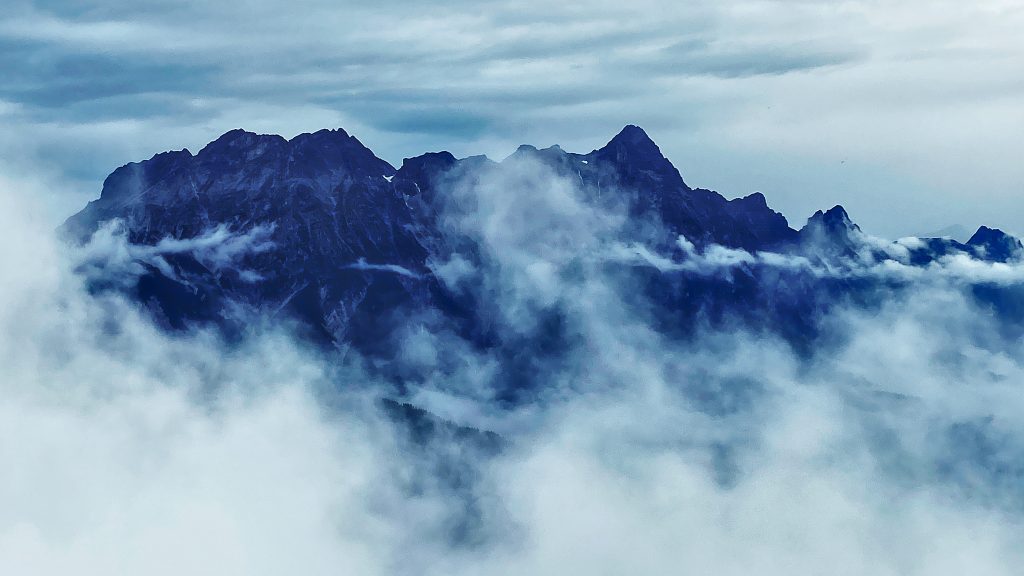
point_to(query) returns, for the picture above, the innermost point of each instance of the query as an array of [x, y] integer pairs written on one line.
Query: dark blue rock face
[[352, 239], [830, 235], [636, 164], [331, 206], [995, 245]]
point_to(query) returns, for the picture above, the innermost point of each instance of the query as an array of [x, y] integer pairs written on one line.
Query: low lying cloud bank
[[126, 450]]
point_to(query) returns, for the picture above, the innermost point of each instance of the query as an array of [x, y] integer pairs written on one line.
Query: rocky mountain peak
[[994, 244], [833, 220]]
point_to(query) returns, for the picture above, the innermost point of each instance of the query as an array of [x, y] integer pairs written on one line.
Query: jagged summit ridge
[[995, 244], [833, 221], [633, 137], [639, 157], [353, 241]]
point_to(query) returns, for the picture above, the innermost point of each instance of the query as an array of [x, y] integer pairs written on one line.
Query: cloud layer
[[907, 114], [895, 449]]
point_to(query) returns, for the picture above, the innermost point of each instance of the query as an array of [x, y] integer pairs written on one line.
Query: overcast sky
[[910, 113]]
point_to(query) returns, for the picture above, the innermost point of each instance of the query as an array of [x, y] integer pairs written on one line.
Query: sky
[[907, 113]]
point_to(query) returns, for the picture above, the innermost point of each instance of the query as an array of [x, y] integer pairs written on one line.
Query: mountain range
[[348, 249]]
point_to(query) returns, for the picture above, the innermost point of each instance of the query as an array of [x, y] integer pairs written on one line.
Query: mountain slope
[[331, 208]]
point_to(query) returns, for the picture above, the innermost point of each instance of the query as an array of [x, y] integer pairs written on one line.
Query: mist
[[891, 448]]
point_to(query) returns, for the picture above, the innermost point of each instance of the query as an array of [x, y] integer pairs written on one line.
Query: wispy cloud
[[726, 454], [109, 253], [362, 264]]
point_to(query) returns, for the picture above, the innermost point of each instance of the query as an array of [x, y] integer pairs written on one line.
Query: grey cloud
[[104, 88], [752, 60], [714, 84], [437, 120]]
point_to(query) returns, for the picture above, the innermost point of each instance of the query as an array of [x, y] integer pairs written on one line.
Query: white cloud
[[109, 254], [362, 264], [129, 450]]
